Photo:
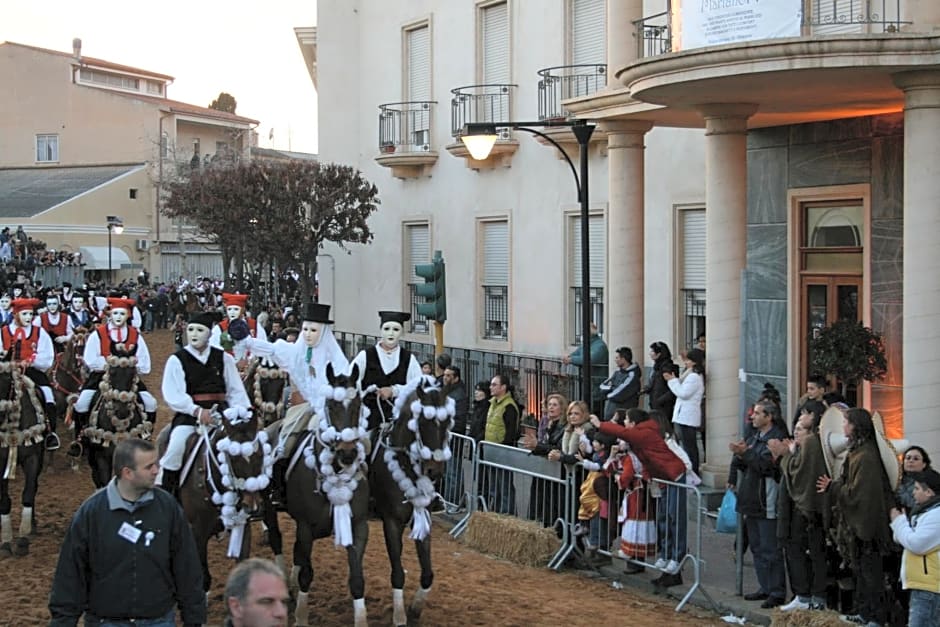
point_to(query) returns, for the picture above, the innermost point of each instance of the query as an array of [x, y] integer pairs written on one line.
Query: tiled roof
[[273, 153], [25, 192], [96, 62]]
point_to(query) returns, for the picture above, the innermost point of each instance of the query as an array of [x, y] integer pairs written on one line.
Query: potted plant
[[387, 147], [849, 351]]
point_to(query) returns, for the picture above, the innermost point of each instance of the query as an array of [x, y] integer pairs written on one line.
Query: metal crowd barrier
[[491, 477]]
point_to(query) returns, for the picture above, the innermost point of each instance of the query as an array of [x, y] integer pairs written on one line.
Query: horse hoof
[[22, 547], [6, 550]]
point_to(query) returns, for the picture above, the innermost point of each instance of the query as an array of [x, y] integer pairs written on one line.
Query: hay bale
[[805, 618], [507, 537]]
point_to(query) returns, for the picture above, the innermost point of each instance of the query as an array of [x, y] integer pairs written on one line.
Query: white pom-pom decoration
[[413, 425], [230, 498], [266, 448], [228, 510], [339, 394], [425, 452], [223, 468], [310, 462], [263, 482], [226, 481], [216, 498], [348, 435], [441, 414], [247, 449], [251, 484], [429, 412], [263, 437]]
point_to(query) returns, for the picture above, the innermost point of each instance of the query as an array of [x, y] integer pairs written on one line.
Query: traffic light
[[433, 289]]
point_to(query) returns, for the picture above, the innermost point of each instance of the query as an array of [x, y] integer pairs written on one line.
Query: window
[[418, 250], [417, 131], [597, 257], [47, 148], [692, 281], [494, 236], [109, 79], [132, 193], [164, 145], [588, 32], [495, 61], [154, 88]]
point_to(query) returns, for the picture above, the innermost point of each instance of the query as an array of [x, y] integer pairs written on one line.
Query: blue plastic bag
[[727, 518]]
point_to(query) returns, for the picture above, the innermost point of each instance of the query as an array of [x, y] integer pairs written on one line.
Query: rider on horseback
[[116, 333], [31, 345], [306, 362], [57, 324], [79, 315], [197, 380], [235, 309]]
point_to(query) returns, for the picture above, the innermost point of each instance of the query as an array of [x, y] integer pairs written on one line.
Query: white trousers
[[83, 404], [173, 458]]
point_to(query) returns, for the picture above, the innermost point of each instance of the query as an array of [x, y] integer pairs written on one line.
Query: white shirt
[[240, 351], [174, 383], [44, 353], [54, 320], [389, 362], [293, 358], [96, 361]]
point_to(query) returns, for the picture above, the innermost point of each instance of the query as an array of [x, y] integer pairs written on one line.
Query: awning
[[96, 258]]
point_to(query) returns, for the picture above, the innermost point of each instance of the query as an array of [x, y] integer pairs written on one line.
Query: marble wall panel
[[887, 124], [832, 130], [830, 163], [887, 177], [768, 137], [765, 337], [887, 261], [767, 185], [767, 261], [887, 319], [754, 387]]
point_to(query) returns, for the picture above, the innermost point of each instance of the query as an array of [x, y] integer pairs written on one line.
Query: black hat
[[393, 316], [205, 318], [316, 312], [66, 284], [19, 286], [78, 294]]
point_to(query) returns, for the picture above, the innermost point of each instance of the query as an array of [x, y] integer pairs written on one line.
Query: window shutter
[[588, 31], [495, 253], [495, 27], [419, 63], [693, 249], [597, 253], [419, 248]]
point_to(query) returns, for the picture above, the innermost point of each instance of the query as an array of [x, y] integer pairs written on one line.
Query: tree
[[225, 102], [850, 351], [252, 210]]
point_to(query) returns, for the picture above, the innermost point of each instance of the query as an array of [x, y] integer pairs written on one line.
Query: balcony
[[482, 103], [405, 132], [564, 82], [827, 61]]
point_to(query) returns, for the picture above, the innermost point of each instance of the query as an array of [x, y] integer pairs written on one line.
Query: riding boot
[[52, 438], [279, 484], [152, 418], [171, 482], [79, 420]]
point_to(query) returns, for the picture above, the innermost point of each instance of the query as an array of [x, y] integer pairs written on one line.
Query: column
[[725, 254], [621, 43], [625, 276], [921, 318]]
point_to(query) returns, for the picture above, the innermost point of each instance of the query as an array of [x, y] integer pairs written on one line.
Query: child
[[595, 490]]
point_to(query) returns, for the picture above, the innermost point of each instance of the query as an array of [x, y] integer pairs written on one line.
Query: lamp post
[[116, 225], [480, 137]]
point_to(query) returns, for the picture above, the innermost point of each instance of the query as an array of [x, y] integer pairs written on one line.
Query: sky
[[244, 47]]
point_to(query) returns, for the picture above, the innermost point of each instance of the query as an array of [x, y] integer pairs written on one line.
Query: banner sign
[[717, 22]]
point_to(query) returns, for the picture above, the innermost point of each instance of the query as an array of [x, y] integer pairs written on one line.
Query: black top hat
[[205, 318], [316, 312], [393, 316], [66, 284], [18, 286]]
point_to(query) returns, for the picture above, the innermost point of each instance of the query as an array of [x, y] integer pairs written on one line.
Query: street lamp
[[115, 224], [480, 137]]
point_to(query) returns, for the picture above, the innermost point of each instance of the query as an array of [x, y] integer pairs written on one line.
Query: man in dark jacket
[[757, 491], [129, 554], [453, 491], [622, 389]]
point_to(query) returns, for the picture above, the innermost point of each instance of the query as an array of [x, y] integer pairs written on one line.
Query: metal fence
[[534, 377], [567, 81], [405, 126], [481, 103]]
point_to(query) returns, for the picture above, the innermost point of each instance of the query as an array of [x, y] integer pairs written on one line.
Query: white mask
[[311, 332], [234, 312], [119, 317], [17, 292], [78, 303], [198, 336], [391, 331], [5, 302], [52, 304], [25, 317]]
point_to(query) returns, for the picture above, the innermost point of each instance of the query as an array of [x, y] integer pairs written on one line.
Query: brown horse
[[22, 425], [411, 456], [327, 491], [116, 414], [264, 384], [67, 375], [222, 481]]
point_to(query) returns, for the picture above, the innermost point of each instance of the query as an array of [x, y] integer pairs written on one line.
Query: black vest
[[208, 378], [374, 375]]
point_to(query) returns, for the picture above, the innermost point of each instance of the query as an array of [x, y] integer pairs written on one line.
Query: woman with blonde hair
[[545, 497]]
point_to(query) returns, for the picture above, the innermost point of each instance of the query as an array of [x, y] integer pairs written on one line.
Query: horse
[[411, 455], [327, 490], [22, 427], [67, 376], [264, 384], [116, 414], [223, 478]]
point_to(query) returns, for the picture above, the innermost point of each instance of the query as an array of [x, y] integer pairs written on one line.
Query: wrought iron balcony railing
[[480, 103], [567, 81], [405, 127], [653, 35]]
